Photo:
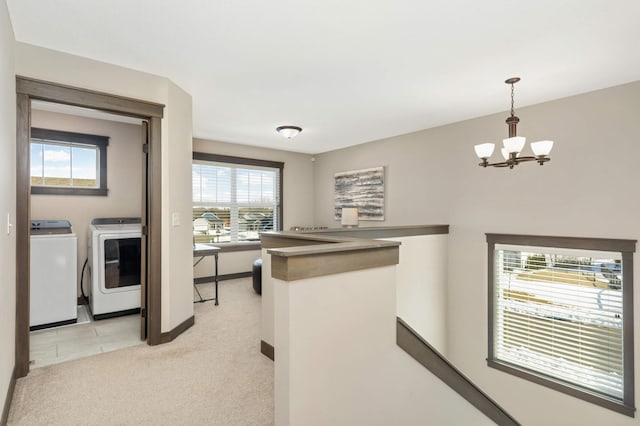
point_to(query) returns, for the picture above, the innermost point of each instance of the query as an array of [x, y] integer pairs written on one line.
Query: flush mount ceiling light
[[514, 144], [288, 131]]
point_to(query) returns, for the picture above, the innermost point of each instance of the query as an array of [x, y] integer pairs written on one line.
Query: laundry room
[[96, 188]]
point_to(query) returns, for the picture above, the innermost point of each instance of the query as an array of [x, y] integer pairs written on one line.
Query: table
[[201, 251]]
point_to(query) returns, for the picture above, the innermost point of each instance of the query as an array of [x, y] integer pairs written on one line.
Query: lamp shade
[[484, 150], [288, 131], [505, 153], [541, 147], [349, 216], [514, 144]]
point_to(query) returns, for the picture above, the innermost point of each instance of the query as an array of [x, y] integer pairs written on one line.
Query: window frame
[[627, 249], [242, 161], [71, 138]]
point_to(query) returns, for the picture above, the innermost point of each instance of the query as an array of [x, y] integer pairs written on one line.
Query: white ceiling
[[347, 72]]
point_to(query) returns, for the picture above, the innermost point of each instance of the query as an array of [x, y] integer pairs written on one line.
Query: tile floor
[[86, 338]]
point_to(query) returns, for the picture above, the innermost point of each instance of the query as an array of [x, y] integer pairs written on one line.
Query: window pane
[[211, 184], [211, 224], [57, 165], [36, 164], [84, 167], [242, 178], [561, 315], [252, 221]]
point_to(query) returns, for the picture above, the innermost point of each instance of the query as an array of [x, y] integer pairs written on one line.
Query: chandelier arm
[[514, 162]]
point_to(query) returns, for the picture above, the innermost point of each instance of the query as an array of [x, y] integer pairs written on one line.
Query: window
[[234, 199], [561, 315], [67, 163]]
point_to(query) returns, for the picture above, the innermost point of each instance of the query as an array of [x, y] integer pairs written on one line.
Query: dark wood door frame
[[28, 89]]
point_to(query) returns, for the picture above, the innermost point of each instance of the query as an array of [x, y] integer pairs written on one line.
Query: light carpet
[[212, 374]]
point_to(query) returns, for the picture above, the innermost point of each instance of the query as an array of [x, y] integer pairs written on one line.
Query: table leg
[[216, 276]]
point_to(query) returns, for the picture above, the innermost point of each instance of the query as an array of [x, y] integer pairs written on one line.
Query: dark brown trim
[[627, 332], [225, 277], [144, 240], [154, 246], [203, 156], [554, 384], [627, 248], [71, 137], [8, 398], [101, 142], [267, 350], [412, 343], [23, 216], [48, 190], [169, 336], [69, 95], [279, 224], [604, 244]]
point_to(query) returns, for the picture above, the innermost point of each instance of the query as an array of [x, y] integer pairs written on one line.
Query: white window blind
[[234, 202], [559, 313]]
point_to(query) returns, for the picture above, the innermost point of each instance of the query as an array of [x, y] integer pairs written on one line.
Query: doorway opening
[[85, 209], [31, 96]]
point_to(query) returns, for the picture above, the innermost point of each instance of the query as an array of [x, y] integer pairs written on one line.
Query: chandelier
[[512, 146]]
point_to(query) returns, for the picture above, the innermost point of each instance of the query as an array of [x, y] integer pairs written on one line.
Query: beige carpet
[[213, 374]]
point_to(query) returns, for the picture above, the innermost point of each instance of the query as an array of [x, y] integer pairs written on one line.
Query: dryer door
[[121, 263]]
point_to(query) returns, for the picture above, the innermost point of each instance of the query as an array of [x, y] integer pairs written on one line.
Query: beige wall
[[124, 178], [177, 231], [50, 65], [7, 202], [337, 361], [587, 190]]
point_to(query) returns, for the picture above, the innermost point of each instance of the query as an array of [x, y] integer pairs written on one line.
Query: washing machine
[[114, 257], [53, 279]]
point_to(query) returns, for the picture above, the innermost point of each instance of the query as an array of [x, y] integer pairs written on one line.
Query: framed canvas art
[[363, 189]]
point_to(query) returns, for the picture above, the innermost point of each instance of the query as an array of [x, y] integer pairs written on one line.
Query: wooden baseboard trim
[[169, 336], [420, 350], [225, 277], [8, 398], [267, 350]]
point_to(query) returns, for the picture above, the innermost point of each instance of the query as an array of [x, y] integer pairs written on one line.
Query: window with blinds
[[234, 201], [563, 316]]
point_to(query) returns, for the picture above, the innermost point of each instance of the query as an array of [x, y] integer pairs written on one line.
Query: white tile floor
[[86, 338]]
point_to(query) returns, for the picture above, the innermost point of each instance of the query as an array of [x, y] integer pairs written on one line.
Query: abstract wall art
[[363, 189]]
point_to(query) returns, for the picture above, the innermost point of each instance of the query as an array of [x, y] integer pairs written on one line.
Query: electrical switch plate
[[9, 224], [175, 219]]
